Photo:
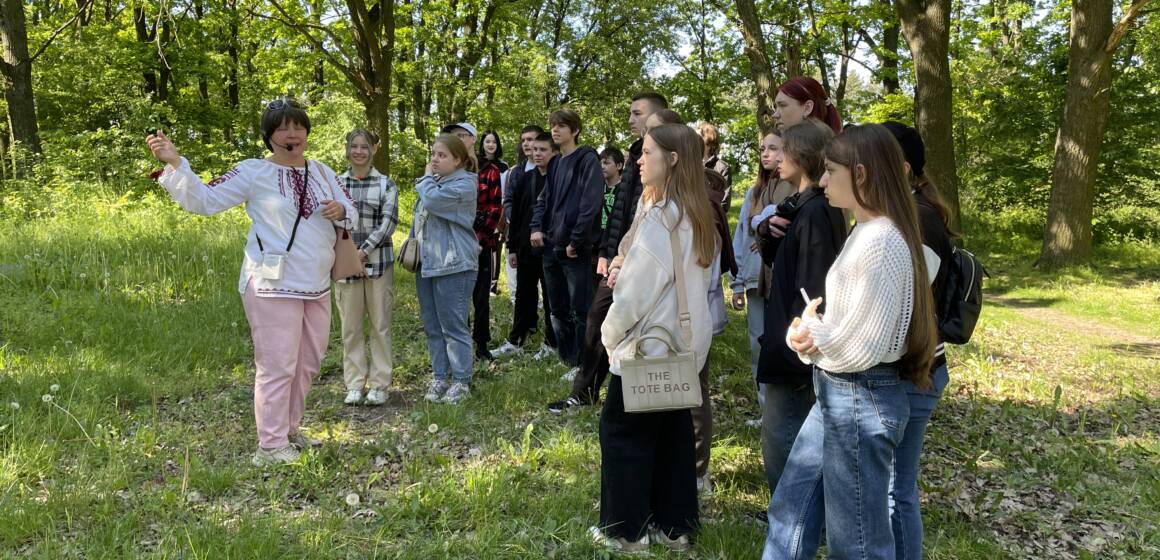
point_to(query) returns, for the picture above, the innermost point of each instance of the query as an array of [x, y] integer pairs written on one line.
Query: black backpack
[[962, 299]]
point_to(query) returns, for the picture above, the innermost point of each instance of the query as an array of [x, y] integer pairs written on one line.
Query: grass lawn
[[125, 313]]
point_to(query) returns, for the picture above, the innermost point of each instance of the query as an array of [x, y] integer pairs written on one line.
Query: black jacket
[[568, 210], [520, 203], [623, 210], [804, 256]]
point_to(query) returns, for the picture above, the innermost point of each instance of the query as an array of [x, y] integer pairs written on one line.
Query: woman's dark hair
[[282, 110], [805, 143], [805, 88], [886, 192], [914, 149], [498, 147]]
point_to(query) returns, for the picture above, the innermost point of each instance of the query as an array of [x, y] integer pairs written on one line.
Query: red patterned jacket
[[489, 207]]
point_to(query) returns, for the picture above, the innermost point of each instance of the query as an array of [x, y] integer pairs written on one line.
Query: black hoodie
[[568, 210]]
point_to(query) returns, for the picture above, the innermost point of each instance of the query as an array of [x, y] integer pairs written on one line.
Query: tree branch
[[1122, 27], [56, 33], [360, 82]]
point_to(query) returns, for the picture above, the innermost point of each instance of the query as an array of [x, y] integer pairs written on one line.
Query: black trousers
[[481, 301], [646, 470], [593, 356], [529, 288], [703, 423]]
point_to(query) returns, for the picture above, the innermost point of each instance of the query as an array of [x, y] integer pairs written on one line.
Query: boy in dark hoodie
[[566, 223]]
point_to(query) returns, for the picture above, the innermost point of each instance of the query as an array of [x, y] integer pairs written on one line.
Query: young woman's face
[[289, 135], [359, 152], [655, 163], [789, 111], [490, 145], [838, 182], [770, 152], [787, 168], [442, 162]]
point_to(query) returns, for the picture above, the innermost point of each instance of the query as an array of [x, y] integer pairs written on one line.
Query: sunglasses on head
[[282, 103]]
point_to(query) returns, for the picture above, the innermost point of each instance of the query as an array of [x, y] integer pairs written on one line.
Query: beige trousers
[[373, 298]]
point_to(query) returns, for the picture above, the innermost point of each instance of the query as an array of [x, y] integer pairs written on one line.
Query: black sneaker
[[560, 406], [484, 355]]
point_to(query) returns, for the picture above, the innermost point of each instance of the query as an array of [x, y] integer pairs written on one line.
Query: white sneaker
[[619, 544], [353, 396], [436, 389], [270, 457], [376, 396], [570, 375], [303, 441], [505, 349], [679, 544], [456, 393], [545, 352]]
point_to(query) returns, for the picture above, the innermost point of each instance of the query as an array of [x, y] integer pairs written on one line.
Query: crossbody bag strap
[[297, 211], [683, 316]]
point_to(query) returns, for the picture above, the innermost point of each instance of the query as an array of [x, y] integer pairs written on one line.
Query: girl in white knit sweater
[[878, 327]]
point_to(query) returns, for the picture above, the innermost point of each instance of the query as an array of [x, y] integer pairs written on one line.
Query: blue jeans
[[570, 290], [905, 516], [755, 321], [783, 410], [840, 469], [443, 307]]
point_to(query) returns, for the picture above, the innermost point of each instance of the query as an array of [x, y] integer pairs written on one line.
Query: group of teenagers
[[840, 252]]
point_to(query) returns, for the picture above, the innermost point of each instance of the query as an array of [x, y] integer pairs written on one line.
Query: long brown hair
[[766, 178], [459, 151], [886, 192], [685, 186]]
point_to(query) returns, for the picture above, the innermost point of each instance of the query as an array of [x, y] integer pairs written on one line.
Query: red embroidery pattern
[[228, 175]]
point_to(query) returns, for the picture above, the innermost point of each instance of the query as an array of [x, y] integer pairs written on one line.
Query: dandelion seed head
[[352, 499], [53, 388], [433, 428], [46, 398], [14, 405]]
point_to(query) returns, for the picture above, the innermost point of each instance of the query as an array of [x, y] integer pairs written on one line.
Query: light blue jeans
[[840, 469], [443, 308], [905, 516], [755, 321]]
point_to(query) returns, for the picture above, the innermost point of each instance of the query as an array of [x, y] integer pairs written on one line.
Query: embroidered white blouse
[[271, 194]]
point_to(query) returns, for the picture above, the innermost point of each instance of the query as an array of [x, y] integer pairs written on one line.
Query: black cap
[[912, 145]]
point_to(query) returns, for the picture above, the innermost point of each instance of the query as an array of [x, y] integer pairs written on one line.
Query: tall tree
[[368, 68], [1068, 235], [926, 26], [760, 70], [16, 67]]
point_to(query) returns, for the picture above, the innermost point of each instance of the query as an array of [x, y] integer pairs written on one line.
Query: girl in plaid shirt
[[373, 293]]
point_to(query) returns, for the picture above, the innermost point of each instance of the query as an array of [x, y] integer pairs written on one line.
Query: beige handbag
[[346, 260], [409, 253], [669, 382]]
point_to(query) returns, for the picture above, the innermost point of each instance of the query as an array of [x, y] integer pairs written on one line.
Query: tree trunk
[[16, 68], [889, 51], [1067, 238], [926, 25], [760, 70]]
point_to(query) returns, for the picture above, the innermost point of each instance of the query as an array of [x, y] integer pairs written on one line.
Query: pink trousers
[[290, 337]]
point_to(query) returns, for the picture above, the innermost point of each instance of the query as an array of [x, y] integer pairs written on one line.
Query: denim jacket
[[448, 244], [748, 261]]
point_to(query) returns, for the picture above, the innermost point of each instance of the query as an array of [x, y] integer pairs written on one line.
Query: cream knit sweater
[[869, 300]]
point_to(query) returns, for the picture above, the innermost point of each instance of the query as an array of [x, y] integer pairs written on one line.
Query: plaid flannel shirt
[[377, 199], [489, 207]]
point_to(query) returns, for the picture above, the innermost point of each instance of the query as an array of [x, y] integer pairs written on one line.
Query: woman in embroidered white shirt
[[294, 205], [648, 468], [878, 327]]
